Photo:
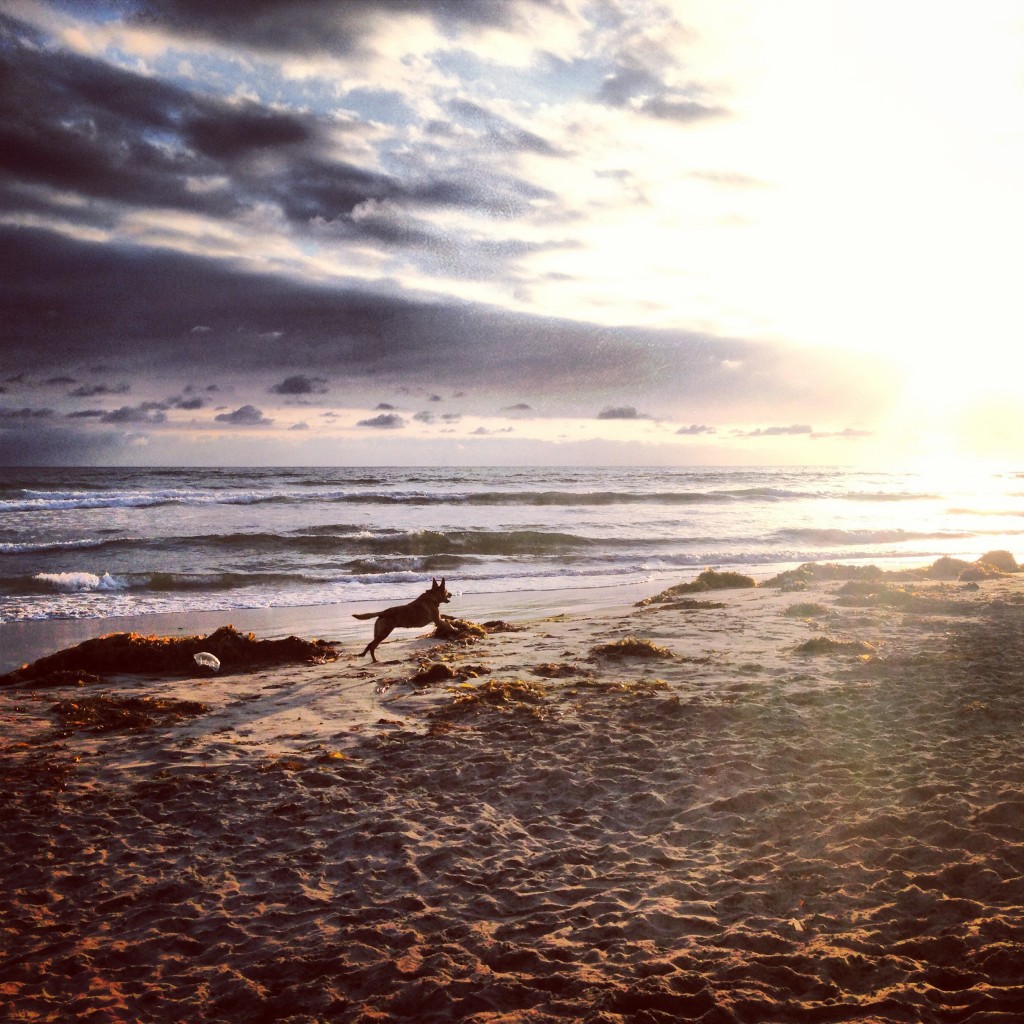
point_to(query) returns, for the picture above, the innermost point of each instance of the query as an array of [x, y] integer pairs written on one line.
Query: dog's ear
[[433, 583], [442, 583]]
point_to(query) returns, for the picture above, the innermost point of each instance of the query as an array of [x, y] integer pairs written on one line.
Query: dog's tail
[[365, 615]]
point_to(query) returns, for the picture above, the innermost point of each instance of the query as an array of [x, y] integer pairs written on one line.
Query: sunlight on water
[[98, 543]]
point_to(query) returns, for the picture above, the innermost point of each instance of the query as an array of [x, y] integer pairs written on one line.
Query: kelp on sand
[[133, 653]]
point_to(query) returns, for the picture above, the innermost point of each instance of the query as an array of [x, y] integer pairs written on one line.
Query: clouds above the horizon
[[301, 384], [559, 218], [260, 326], [244, 416]]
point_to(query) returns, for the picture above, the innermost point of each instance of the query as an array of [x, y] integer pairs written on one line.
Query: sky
[[302, 232]]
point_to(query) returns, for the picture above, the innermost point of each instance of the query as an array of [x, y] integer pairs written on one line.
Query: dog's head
[[439, 592]]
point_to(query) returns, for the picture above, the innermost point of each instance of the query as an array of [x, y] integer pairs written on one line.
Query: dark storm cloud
[[73, 124], [65, 301], [353, 204], [639, 89], [244, 416], [679, 109], [25, 414], [643, 68], [620, 87], [323, 26], [385, 421], [318, 188], [394, 227], [227, 134], [93, 390], [621, 412], [147, 412], [69, 122], [300, 384], [43, 445]]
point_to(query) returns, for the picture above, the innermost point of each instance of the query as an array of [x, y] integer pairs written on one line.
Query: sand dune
[[723, 830]]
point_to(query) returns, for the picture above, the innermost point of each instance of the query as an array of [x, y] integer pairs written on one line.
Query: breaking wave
[[76, 582]]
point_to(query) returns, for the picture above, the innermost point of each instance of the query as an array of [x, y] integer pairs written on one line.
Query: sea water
[[97, 543]]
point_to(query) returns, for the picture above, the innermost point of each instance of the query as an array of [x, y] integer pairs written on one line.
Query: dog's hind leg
[[381, 630]]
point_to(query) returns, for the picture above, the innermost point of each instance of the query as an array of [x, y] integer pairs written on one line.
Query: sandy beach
[[799, 802]]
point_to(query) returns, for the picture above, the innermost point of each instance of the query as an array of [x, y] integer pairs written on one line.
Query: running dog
[[424, 610]]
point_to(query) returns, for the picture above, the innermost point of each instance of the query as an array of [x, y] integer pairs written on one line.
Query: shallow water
[[103, 543]]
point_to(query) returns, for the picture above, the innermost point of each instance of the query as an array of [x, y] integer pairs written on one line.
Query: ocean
[[100, 543]]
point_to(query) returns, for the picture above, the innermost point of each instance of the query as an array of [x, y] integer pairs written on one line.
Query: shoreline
[[26, 640], [29, 639]]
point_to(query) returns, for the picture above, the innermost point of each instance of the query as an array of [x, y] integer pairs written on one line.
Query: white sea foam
[[32, 546], [77, 582], [59, 501]]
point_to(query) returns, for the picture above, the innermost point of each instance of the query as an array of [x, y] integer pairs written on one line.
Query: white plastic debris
[[207, 660]]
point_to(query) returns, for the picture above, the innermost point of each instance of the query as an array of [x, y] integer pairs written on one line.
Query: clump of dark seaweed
[[133, 653], [860, 593], [441, 672], [132, 714], [39, 773], [806, 610], [826, 645], [709, 579], [683, 604], [1001, 560], [62, 678], [979, 571], [433, 672], [946, 568], [631, 647], [634, 687], [821, 572], [560, 670], [993, 563], [507, 696], [458, 629], [904, 598]]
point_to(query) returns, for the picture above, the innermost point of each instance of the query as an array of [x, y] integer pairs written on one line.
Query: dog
[[424, 610]]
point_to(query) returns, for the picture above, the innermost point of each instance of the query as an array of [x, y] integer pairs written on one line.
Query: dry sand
[[535, 831]]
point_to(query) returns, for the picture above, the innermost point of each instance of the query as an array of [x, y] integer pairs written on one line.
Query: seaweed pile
[[133, 653]]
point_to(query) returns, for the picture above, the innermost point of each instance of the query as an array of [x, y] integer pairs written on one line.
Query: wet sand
[[717, 823]]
